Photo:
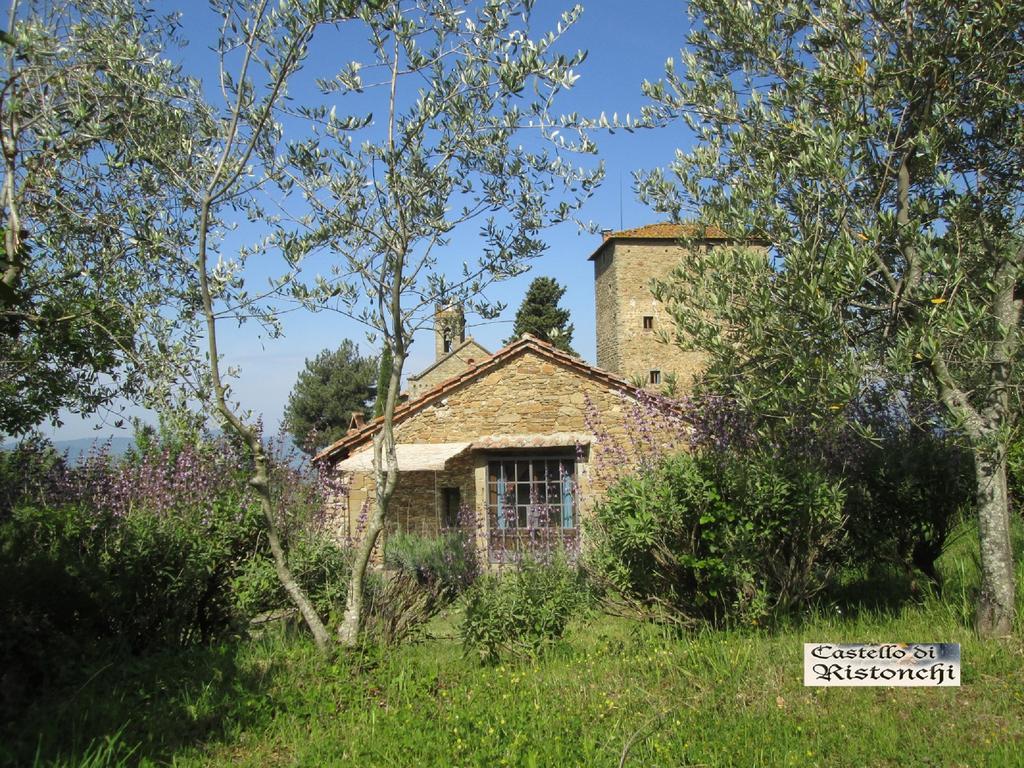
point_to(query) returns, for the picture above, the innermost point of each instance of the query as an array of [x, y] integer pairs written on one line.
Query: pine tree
[[328, 390], [540, 315]]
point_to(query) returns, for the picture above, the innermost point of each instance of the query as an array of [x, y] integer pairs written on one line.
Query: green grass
[[611, 687]]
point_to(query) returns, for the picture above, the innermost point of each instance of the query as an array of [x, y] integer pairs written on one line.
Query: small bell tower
[[449, 329]]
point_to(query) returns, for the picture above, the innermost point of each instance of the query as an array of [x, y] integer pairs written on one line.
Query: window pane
[[527, 493], [555, 492], [540, 491], [523, 494], [568, 502]]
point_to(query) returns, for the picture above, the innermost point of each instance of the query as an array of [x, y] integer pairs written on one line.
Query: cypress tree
[[540, 315], [383, 377]]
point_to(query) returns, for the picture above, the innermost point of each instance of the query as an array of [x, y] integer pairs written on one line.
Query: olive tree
[[878, 148], [235, 168], [464, 138], [93, 226]]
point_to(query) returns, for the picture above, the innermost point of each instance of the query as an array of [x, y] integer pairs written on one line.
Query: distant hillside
[[76, 449], [119, 446]]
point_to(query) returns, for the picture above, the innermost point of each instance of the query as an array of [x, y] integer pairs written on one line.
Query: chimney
[[357, 421], [605, 234]]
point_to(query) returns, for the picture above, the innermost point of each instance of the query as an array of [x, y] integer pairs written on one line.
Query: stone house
[[529, 438]]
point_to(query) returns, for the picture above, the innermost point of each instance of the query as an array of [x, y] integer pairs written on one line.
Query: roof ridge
[[525, 341], [665, 230], [708, 230], [446, 356]]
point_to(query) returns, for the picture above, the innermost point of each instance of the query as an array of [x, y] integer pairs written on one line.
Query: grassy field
[[612, 693]]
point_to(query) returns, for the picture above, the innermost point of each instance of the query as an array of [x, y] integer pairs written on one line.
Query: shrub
[[77, 580], [319, 565], [28, 471], [132, 554], [906, 494], [717, 536], [444, 564], [395, 606], [521, 612]]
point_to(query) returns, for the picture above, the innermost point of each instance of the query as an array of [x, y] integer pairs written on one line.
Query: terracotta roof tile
[[664, 230], [668, 231]]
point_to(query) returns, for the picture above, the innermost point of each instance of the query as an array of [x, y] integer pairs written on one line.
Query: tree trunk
[[351, 624], [994, 616], [385, 466], [260, 482]]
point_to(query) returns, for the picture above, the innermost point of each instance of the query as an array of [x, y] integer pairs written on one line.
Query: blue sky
[[626, 43]]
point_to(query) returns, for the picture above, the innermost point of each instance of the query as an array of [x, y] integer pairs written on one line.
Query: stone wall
[[623, 272], [529, 394], [454, 364], [607, 306], [417, 505]]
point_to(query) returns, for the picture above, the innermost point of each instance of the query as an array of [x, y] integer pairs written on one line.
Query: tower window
[[648, 322], [655, 377]]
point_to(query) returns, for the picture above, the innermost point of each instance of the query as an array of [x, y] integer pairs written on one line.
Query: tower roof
[[663, 231]]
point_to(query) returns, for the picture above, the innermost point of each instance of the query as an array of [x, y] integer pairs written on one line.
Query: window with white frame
[[532, 492]]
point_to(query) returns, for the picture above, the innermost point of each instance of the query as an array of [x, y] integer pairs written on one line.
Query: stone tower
[[628, 316], [449, 329]]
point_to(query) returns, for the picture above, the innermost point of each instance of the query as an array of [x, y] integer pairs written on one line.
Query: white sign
[[889, 664]]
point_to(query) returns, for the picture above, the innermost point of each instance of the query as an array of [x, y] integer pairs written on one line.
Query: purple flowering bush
[[137, 552]]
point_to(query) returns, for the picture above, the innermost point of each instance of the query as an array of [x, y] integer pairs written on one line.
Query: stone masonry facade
[[630, 321], [450, 364], [598, 411]]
